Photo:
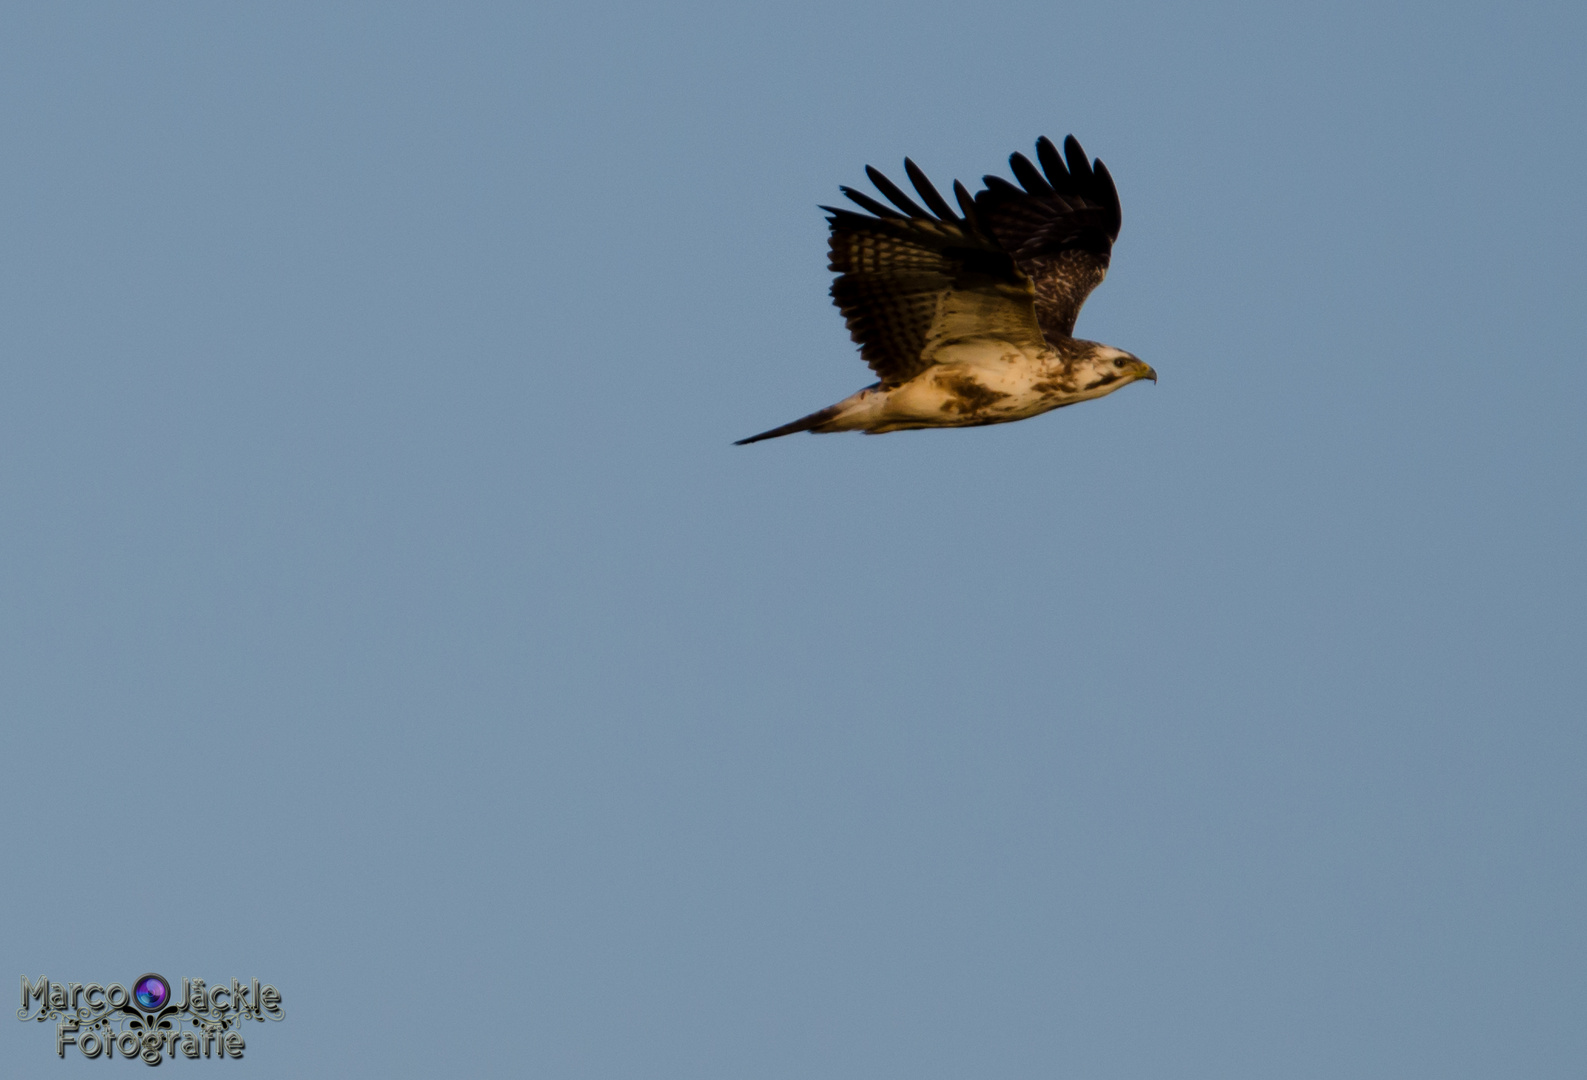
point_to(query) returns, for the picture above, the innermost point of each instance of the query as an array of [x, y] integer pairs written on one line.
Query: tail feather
[[804, 423]]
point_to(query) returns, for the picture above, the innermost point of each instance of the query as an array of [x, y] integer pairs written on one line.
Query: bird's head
[[1102, 369]]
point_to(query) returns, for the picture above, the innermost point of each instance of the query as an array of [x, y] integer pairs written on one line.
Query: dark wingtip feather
[[1027, 174], [1105, 182], [1079, 167], [1052, 164], [1001, 186], [928, 191], [879, 209], [966, 202], [894, 194]]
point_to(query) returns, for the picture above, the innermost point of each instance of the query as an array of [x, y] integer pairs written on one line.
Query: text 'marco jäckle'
[[149, 1021]]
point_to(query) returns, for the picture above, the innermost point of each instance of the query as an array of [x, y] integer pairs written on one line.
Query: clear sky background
[[385, 614]]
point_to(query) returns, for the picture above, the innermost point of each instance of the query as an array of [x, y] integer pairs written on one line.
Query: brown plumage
[[967, 318]]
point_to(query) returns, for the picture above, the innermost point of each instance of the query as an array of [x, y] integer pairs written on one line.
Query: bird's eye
[[1119, 362]]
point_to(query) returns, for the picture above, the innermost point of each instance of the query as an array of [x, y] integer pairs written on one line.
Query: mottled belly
[[965, 396]]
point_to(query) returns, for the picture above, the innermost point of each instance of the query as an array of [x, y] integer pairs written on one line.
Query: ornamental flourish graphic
[[148, 1022]]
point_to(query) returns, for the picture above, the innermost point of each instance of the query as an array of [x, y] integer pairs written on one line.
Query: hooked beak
[[1147, 372]]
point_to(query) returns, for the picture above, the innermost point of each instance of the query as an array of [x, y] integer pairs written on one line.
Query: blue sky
[[385, 614]]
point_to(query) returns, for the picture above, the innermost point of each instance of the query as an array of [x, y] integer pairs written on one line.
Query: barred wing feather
[[909, 284]]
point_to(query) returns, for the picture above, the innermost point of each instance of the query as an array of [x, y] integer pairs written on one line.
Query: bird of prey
[[969, 318]]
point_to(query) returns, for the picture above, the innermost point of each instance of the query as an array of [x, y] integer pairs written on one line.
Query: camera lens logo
[[151, 992]]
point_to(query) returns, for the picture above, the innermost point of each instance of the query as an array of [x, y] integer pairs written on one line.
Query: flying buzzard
[[968, 318]]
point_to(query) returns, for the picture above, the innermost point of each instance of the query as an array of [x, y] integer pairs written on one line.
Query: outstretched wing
[[911, 282], [1060, 228]]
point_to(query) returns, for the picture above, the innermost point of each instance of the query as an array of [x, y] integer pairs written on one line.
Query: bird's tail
[[804, 423]]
